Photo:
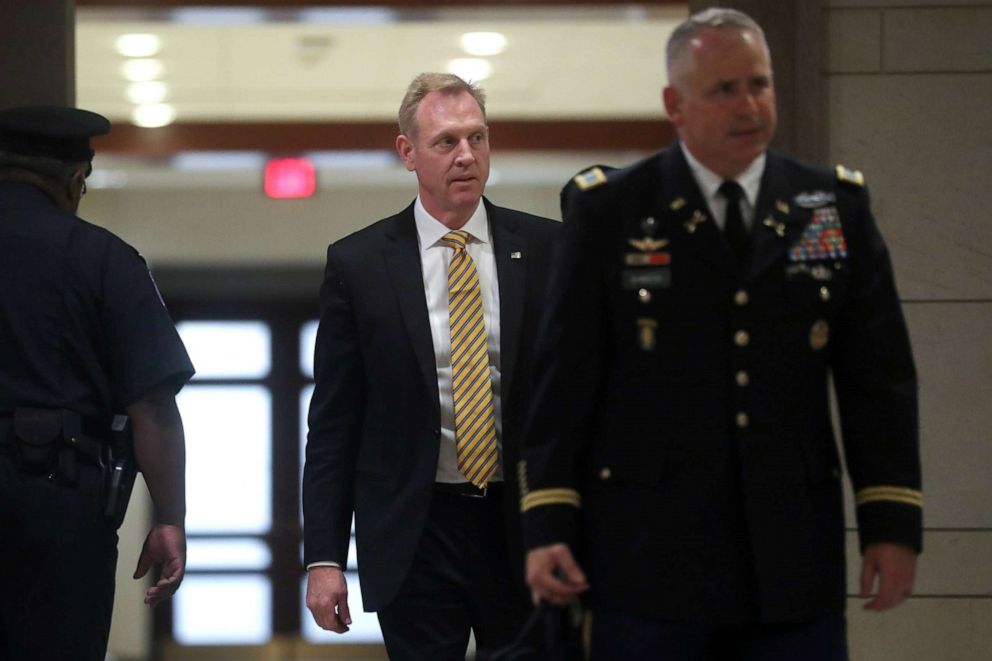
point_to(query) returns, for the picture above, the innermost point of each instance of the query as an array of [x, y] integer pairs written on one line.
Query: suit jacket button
[[741, 298], [605, 473], [741, 338], [742, 420]]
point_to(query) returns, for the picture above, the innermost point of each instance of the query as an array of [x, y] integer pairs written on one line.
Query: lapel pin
[[515, 254], [697, 218]]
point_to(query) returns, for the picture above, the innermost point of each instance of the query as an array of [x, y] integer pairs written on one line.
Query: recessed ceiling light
[[483, 43], [142, 69], [138, 45], [470, 68], [153, 115], [147, 91]]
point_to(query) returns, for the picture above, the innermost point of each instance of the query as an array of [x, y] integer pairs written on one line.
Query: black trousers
[[58, 556], [460, 581], [625, 637]]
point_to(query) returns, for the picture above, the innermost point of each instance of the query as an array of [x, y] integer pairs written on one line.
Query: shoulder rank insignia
[[590, 178], [850, 176]]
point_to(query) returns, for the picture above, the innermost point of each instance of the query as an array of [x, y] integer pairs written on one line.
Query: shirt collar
[[709, 181], [430, 230]]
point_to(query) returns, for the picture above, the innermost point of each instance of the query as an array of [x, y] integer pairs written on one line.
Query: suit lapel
[[776, 225], [402, 262], [510, 274], [685, 202]]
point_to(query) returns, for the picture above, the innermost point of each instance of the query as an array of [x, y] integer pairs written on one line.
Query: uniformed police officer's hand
[[327, 598], [554, 575], [895, 567], [165, 548]]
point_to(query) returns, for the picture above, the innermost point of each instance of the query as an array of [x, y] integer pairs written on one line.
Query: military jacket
[[681, 438]]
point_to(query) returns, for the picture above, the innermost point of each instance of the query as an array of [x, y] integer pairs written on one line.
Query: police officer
[[680, 461], [84, 335]]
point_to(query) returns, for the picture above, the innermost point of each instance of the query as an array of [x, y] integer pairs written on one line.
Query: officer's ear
[[76, 188]]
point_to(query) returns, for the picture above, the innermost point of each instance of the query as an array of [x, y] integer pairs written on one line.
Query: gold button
[[742, 378], [741, 298], [742, 420], [644, 296], [824, 294], [605, 473], [741, 338]]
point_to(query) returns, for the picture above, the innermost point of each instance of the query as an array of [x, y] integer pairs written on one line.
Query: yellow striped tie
[[471, 382]]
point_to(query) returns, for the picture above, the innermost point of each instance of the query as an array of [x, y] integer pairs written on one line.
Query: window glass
[[228, 458], [227, 554], [228, 349], [223, 610], [308, 338]]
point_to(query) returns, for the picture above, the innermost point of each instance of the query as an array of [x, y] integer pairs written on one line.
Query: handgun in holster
[[120, 470]]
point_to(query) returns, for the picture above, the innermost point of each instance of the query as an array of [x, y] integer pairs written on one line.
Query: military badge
[[819, 335], [646, 333], [677, 204], [814, 199], [648, 244], [770, 223], [781, 206], [823, 238], [698, 217]]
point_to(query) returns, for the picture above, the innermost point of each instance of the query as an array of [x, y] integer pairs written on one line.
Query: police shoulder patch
[[590, 178], [850, 176]]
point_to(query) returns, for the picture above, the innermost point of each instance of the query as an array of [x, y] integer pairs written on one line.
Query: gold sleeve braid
[[558, 496], [887, 493]]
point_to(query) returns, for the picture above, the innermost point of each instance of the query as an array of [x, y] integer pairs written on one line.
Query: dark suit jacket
[[686, 400], [375, 414]]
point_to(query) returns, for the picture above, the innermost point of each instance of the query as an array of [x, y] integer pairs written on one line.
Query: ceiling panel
[[562, 62]]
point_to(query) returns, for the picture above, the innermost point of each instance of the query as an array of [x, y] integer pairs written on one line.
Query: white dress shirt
[[709, 185], [434, 260]]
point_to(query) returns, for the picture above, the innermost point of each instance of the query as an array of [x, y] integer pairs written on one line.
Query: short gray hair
[[718, 18], [424, 84]]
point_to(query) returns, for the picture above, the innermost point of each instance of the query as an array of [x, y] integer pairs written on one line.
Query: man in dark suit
[[681, 442], [422, 358]]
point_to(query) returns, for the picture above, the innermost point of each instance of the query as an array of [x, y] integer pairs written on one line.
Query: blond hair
[[424, 84]]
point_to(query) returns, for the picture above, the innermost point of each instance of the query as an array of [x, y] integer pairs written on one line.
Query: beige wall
[[910, 87]]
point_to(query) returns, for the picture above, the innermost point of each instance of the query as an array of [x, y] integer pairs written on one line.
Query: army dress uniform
[[84, 333], [682, 442]]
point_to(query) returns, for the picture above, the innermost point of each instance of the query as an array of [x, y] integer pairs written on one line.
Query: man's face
[[723, 101], [449, 151]]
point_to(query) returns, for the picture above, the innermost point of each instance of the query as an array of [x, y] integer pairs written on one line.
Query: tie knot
[[731, 190], [456, 239]]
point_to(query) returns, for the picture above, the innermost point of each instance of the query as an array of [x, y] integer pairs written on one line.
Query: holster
[[121, 469]]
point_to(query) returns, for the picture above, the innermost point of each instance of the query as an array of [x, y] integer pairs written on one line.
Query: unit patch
[[822, 238]]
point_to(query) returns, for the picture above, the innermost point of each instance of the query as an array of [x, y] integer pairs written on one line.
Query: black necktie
[[733, 227]]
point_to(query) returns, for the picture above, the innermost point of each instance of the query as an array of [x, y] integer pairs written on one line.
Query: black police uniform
[[681, 440], [83, 330]]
